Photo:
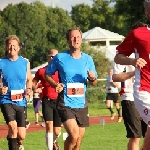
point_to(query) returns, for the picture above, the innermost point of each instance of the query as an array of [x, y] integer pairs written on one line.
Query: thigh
[[56, 118], [20, 115], [9, 112], [115, 97], [47, 110], [142, 104], [108, 96], [82, 117], [65, 113], [132, 119], [144, 128]]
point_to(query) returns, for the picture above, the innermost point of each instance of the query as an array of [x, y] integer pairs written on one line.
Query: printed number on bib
[[75, 89], [17, 95]]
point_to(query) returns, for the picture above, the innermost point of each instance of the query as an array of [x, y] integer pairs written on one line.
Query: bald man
[[49, 100]]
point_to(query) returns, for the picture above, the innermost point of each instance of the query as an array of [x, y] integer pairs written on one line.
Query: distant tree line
[[41, 27]]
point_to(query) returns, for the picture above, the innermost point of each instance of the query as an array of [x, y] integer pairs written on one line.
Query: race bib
[[17, 95], [75, 89]]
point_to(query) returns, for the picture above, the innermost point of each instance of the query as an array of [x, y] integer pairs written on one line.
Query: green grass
[[97, 137]]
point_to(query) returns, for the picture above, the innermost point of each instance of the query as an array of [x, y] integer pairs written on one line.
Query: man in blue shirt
[[74, 68], [16, 82]]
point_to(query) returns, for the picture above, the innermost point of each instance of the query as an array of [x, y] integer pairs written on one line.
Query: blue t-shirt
[[14, 76], [73, 74]]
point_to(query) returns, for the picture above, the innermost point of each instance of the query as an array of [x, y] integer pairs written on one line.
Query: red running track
[[34, 128]]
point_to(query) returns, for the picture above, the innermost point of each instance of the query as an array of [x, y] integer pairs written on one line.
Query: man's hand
[[3, 90], [139, 63], [91, 75], [59, 87]]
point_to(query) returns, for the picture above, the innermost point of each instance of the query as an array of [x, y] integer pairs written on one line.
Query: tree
[[81, 14], [131, 11], [58, 22]]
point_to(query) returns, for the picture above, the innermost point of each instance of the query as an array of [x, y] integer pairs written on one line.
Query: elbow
[[116, 59], [114, 78]]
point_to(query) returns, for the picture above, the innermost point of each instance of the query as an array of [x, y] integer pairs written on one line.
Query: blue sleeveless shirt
[[14, 76]]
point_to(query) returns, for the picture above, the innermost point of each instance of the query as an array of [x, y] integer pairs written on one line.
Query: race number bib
[[17, 95], [75, 89]]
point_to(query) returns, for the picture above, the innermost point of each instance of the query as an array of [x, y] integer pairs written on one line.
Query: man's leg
[[9, 114], [147, 138], [12, 137], [79, 141], [72, 129], [49, 135]]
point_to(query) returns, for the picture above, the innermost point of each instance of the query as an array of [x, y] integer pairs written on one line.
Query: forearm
[[50, 80], [121, 77], [115, 84], [123, 60]]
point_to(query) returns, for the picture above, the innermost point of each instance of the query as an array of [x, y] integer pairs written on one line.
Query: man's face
[[75, 39], [12, 47], [51, 55]]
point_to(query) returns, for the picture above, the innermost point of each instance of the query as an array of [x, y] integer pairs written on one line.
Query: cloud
[[65, 4]]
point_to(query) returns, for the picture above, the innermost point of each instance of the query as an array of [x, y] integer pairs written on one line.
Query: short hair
[[74, 28], [147, 4], [12, 37], [138, 24]]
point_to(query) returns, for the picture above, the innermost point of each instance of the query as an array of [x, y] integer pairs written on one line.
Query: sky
[[65, 4]]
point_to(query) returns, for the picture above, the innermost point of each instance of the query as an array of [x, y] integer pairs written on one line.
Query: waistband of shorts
[[49, 99]]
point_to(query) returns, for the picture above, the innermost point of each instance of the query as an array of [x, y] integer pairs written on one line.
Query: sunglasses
[[51, 56]]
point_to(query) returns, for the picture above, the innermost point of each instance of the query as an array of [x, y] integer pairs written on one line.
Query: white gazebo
[[100, 35], [103, 40]]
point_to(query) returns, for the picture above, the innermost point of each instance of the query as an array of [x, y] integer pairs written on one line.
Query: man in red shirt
[[49, 101], [137, 41]]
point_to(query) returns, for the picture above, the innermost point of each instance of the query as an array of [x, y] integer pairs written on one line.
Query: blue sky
[[65, 4]]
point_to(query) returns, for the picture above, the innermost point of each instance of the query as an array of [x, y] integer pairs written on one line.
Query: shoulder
[[86, 56], [23, 59]]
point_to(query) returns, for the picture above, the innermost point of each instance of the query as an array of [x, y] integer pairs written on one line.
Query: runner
[[74, 68], [49, 100], [17, 81], [137, 41]]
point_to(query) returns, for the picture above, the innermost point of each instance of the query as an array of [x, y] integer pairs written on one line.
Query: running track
[[34, 128]]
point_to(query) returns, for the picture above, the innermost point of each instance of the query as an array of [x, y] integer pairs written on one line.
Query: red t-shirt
[[40, 86], [48, 91], [138, 42]]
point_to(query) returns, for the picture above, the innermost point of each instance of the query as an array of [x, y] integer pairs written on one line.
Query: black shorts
[[13, 112], [80, 115], [50, 112], [112, 96], [135, 126]]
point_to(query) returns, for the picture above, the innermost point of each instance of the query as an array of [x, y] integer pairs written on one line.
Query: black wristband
[[91, 80]]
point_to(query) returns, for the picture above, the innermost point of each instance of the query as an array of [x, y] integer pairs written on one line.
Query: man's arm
[[57, 86], [29, 77], [121, 77], [124, 60]]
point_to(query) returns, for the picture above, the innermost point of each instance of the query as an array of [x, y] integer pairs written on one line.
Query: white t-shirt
[[126, 92]]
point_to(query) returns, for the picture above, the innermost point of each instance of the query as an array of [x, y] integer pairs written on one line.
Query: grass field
[[97, 137]]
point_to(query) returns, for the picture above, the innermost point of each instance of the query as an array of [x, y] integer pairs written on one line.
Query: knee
[[135, 140], [12, 126], [57, 131], [22, 135]]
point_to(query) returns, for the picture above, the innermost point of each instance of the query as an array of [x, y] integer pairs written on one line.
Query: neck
[[13, 58], [75, 53]]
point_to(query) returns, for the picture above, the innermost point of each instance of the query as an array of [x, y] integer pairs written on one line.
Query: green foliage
[[99, 59], [131, 11], [81, 14]]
